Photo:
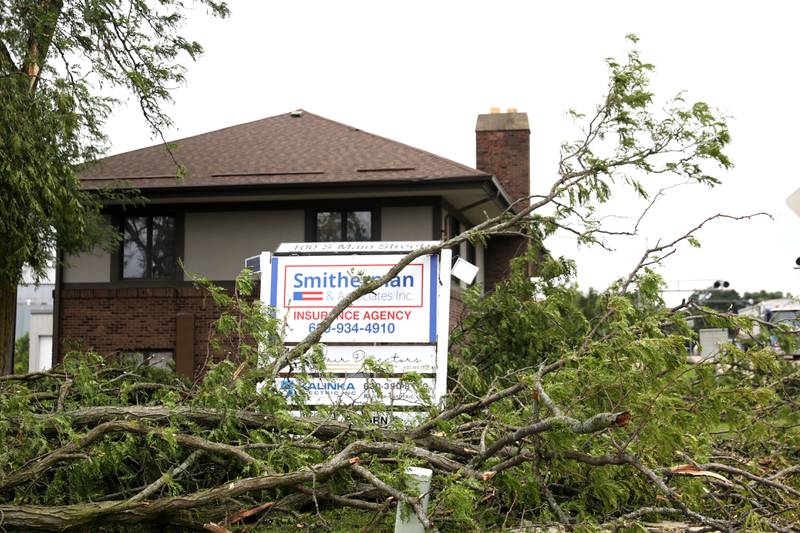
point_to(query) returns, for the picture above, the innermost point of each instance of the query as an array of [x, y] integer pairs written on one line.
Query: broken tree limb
[[153, 487], [398, 495], [593, 424], [36, 468], [132, 512]]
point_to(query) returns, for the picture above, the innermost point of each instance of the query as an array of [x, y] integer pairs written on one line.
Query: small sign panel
[[355, 391], [356, 247], [400, 359], [253, 263], [305, 289]]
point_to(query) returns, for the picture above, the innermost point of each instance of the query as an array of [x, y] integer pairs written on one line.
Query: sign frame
[[268, 283]]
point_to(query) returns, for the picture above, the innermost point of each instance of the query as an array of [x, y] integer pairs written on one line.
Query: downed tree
[[556, 415], [590, 436]]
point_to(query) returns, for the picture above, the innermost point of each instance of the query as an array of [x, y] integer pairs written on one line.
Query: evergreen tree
[[57, 60]]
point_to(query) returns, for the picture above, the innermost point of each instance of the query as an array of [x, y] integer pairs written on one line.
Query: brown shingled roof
[[293, 148]]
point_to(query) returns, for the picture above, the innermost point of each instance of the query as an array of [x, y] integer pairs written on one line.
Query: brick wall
[[502, 148], [506, 154], [457, 308], [497, 260], [109, 320]]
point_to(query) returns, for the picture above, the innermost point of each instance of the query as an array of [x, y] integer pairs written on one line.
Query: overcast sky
[[420, 73]]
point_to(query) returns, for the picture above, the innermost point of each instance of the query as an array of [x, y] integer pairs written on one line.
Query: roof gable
[[292, 148]]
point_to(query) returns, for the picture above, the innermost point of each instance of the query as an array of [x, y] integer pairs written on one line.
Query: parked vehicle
[[780, 311]]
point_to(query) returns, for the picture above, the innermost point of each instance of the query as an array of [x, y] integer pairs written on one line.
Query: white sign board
[[305, 289], [400, 359], [403, 325], [355, 391]]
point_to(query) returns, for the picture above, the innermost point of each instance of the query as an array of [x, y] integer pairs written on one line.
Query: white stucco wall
[[91, 267], [413, 223], [217, 243]]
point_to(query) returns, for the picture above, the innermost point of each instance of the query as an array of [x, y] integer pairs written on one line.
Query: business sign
[[355, 391], [402, 326], [306, 288], [351, 359]]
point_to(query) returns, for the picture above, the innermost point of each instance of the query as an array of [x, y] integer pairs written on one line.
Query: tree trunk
[[8, 311]]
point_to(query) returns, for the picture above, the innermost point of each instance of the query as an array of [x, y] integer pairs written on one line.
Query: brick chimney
[[503, 148]]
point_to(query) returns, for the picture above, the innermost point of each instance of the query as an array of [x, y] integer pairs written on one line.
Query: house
[[289, 178]]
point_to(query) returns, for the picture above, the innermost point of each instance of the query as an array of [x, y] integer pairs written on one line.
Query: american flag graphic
[[307, 296]]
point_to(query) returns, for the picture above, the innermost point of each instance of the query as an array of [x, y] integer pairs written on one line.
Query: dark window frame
[[455, 225], [177, 244], [311, 221]]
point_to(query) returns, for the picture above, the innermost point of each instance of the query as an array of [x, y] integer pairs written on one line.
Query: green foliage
[[528, 337], [730, 299], [59, 61], [22, 353], [759, 296], [633, 139], [719, 299], [629, 357]]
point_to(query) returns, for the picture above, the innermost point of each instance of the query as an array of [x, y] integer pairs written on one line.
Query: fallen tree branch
[[593, 424], [322, 428], [36, 468], [156, 485], [467, 408], [60, 517], [397, 495], [752, 477]]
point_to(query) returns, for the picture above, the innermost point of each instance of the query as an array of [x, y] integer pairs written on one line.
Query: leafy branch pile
[[602, 423]]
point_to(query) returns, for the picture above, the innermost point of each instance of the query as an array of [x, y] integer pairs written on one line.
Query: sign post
[[406, 521], [403, 325], [443, 326]]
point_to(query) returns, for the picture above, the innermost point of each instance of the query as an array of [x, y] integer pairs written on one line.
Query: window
[[148, 247], [333, 226]]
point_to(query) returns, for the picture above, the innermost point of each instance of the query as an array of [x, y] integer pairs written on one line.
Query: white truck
[[780, 311]]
